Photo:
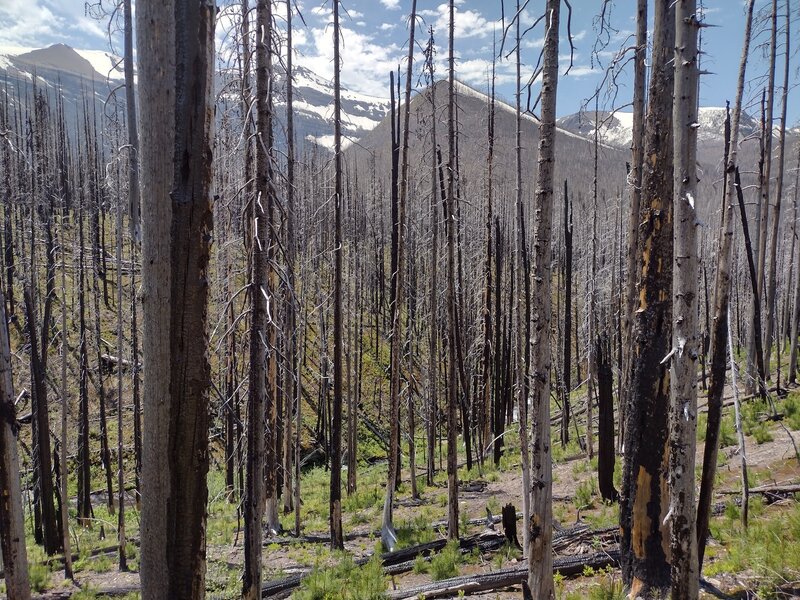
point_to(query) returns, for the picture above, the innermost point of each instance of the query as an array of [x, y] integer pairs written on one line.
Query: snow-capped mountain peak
[[616, 128]]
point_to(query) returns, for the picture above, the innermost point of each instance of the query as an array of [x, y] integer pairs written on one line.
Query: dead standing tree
[[12, 529], [259, 297], [540, 526], [642, 511], [175, 65], [686, 341], [719, 325]]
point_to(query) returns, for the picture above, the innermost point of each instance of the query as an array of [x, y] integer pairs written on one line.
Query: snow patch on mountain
[[616, 128], [104, 63]]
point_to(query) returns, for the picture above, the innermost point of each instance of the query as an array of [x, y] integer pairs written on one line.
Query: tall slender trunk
[[452, 380], [84, 460], [175, 66], [257, 389], [643, 502], [433, 291], [137, 408], [635, 194], [756, 326], [12, 527], [719, 325], [540, 524], [567, 368], [792, 376], [686, 341], [337, 539], [123, 559], [760, 241], [68, 574], [134, 215], [769, 326], [486, 375], [293, 383], [523, 302], [41, 441]]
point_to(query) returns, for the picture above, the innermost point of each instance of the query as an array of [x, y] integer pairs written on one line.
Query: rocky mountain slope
[[76, 72]]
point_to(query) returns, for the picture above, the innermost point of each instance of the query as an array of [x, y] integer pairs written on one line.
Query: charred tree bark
[[776, 218], [759, 355], [41, 441], [605, 412], [792, 376], [540, 525], [719, 326], [337, 540], [635, 194], [257, 390], [433, 291], [645, 541], [175, 66], [12, 527], [134, 215], [567, 368], [452, 379], [686, 341]]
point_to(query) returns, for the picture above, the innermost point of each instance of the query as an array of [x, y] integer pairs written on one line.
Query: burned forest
[[404, 299]]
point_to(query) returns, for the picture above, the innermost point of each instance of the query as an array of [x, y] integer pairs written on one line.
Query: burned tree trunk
[[12, 529], [605, 412], [337, 540], [175, 66], [644, 544], [719, 325], [540, 525], [452, 380], [567, 368], [686, 341]]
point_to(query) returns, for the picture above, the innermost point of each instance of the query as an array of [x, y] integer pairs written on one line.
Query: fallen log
[[789, 488], [401, 561], [504, 578]]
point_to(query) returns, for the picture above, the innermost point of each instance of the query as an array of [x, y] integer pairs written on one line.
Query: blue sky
[[375, 34]]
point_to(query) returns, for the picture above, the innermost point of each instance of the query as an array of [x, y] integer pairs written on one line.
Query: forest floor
[[762, 560]]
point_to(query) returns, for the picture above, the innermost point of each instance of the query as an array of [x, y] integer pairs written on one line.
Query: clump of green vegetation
[[791, 410], [727, 430], [752, 423], [39, 576], [769, 548], [761, 433], [415, 532], [363, 497], [87, 592], [420, 565], [584, 495], [345, 581], [505, 554], [445, 564], [609, 587]]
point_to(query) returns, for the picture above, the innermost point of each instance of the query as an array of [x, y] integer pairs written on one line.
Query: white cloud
[[391, 4], [468, 23], [44, 22], [365, 62], [386, 26]]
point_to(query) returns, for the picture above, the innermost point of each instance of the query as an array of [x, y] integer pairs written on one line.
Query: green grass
[[39, 576], [584, 495], [344, 581], [768, 550], [445, 564]]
